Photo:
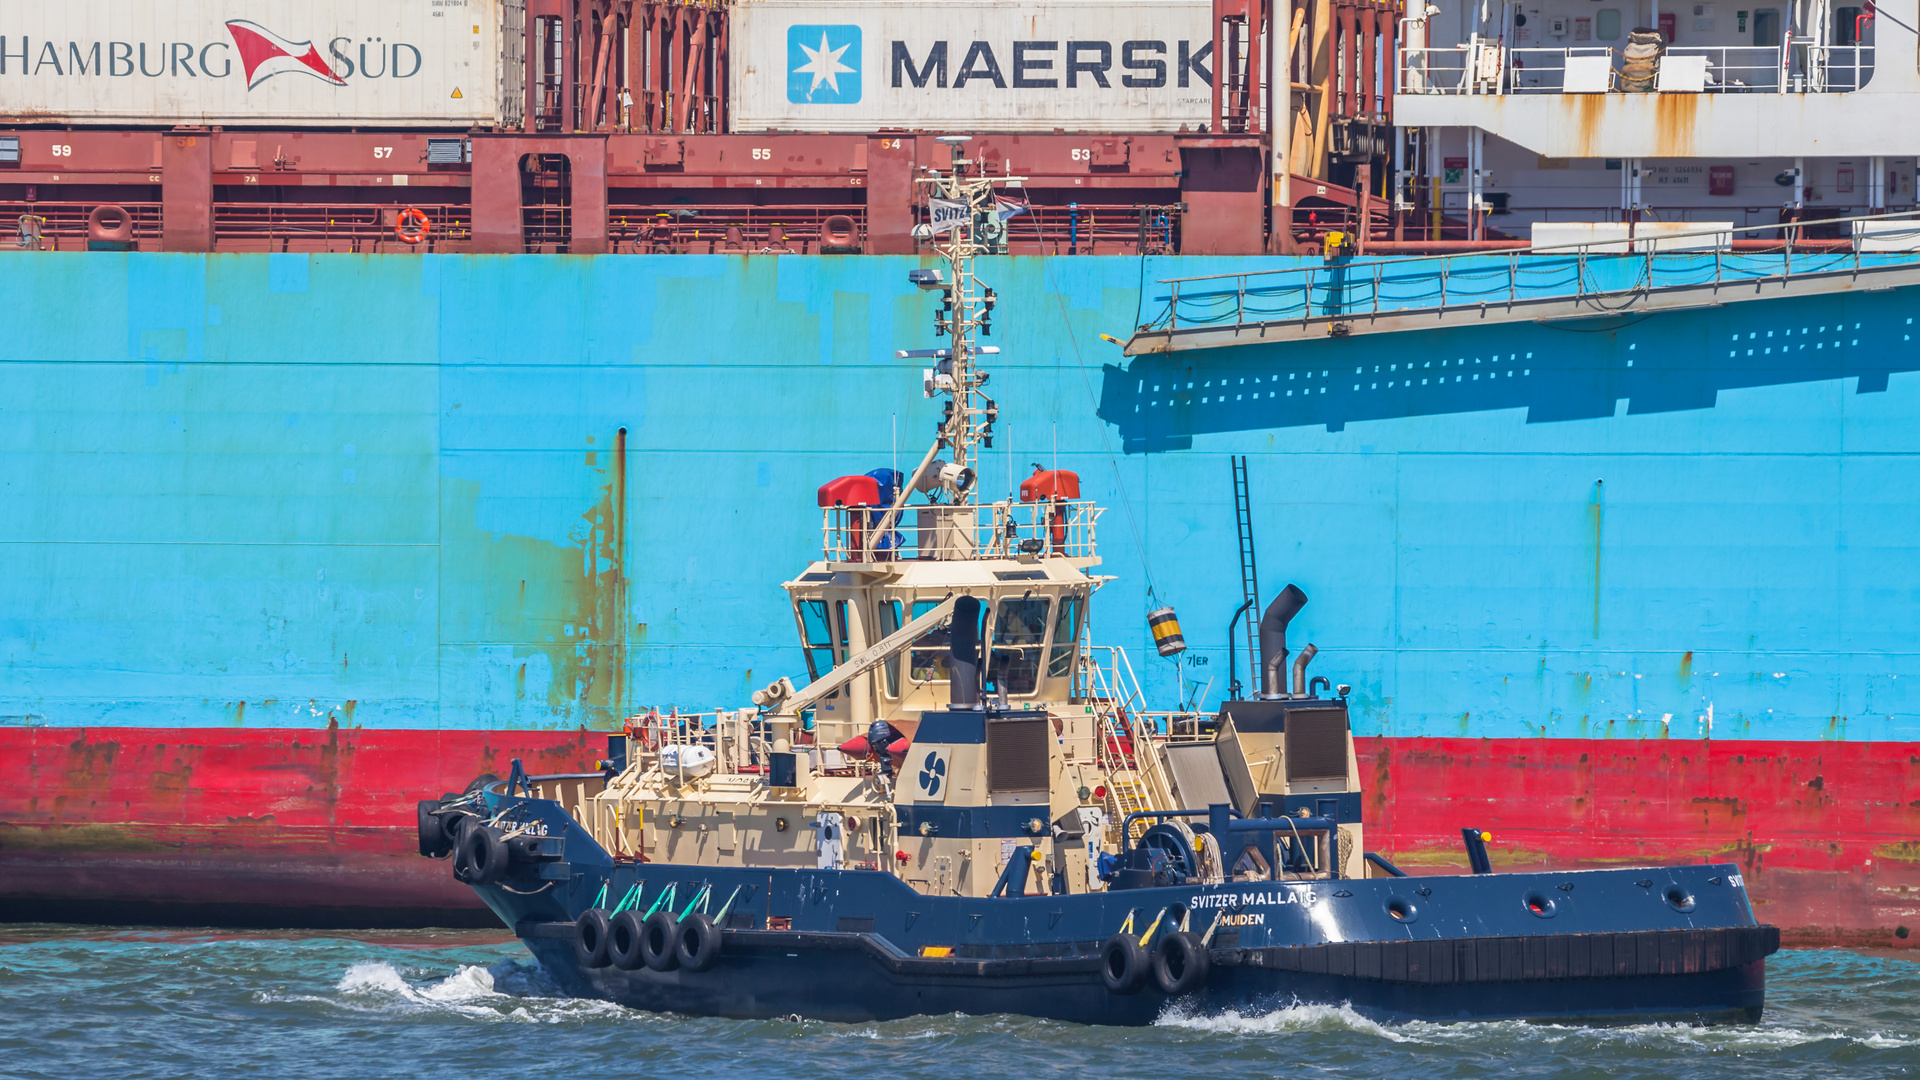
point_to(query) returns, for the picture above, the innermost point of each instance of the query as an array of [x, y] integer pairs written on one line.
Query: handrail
[[1662, 239], [1341, 293]]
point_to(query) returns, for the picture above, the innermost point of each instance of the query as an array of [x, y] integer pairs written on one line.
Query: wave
[[1302, 1018], [505, 991]]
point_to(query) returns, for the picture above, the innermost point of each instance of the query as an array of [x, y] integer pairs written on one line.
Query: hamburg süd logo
[[823, 64], [264, 54]]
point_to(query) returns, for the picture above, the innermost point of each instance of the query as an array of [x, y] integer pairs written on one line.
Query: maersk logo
[[823, 65]]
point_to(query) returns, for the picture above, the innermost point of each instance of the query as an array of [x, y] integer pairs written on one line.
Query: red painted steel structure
[[251, 826]]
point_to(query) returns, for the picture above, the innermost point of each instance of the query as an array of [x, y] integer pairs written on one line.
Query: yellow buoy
[[1166, 632]]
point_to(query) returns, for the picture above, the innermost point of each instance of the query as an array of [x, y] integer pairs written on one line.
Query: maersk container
[[978, 65], [314, 63]]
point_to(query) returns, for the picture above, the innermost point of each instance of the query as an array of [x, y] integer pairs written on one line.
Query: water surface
[[134, 1004]]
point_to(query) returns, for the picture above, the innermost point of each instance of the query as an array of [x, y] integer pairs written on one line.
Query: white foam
[[1302, 1017], [1291, 1018], [506, 991]]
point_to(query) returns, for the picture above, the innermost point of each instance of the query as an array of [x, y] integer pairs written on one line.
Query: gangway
[[1672, 272]]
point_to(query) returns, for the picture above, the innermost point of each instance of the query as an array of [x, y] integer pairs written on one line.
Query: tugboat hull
[[851, 978], [1671, 944]]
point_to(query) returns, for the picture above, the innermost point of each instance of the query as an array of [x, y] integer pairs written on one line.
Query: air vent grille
[[1017, 754], [1317, 744]]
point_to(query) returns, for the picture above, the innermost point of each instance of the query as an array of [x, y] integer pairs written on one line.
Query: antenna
[[960, 205]]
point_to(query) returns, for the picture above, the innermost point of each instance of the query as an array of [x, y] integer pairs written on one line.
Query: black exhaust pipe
[[1300, 669], [963, 662], [1273, 641]]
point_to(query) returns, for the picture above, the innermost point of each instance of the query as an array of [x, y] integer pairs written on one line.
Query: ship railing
[[740, 739], [1605, 271], [950, 533], [1128, 747], [62, 226], [1444, 70], [336, 227], [1487, 67]]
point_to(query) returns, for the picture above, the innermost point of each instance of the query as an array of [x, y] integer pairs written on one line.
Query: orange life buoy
[[413, 226]]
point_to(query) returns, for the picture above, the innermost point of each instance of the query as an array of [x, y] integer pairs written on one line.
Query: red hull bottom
[[305, 828]]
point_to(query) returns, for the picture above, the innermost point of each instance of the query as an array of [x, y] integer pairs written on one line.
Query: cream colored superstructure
[[1043, 761]]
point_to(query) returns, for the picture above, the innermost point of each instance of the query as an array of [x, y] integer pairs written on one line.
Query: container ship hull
[[273, 572]]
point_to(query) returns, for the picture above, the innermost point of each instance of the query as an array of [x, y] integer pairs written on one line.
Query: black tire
[[660, 942], [434, 841], [1123, 964], [623, 941], [484, 855], [1180, 963], [481, 781], [699, 945], [591, 933]]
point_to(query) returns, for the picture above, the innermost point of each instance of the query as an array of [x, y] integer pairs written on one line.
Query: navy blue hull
[[1676, 943], [845, 982]]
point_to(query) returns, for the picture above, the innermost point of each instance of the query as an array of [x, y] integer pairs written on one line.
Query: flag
[[264, 54], [1004, 208], [949, 214]]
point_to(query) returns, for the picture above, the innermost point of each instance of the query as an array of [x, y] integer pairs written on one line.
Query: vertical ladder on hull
[[1249, 574]]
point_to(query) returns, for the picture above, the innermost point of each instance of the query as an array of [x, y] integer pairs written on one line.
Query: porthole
[[1402, 910], [1540, 904], [1679, 899]]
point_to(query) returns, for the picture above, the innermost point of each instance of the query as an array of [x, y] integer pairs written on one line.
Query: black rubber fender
[[1180, 963], [434, 841], [592, 932], [483, 855], [1124, 965], [481, 781], [660, 941], [623, 941], [699, 945]]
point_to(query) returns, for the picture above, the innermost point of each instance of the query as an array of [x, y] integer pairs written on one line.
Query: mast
[[960, 203]]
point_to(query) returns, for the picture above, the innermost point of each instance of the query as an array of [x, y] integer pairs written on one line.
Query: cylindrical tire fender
[[1180, 963], [660, 942], [434, 841], [591, 933], [1123, 964], [484, 854], [699, 945], [623, 941]]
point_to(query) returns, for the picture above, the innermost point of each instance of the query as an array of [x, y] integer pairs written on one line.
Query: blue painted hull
[[283, 490]]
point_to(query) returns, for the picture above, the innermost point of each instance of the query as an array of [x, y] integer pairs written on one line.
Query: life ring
[[413, 226]]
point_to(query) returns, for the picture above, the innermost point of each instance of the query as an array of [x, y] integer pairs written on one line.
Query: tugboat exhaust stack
[[1273, 641]]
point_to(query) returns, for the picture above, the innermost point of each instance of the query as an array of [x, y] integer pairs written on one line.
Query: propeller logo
[[933, 773]]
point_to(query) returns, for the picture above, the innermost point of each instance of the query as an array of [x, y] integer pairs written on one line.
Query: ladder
[[1249, 574]]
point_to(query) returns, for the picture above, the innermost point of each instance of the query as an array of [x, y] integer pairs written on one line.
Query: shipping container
[[977, 65], [400, 63]]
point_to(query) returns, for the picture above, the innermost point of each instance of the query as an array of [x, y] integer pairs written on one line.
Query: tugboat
[[966, 809]]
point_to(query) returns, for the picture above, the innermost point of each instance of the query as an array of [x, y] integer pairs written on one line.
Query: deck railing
[[994, 531], [1490, 68], [1602, 270]]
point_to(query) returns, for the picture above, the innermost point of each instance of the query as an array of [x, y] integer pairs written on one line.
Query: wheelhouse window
[[890, 624], [1066, 637], [927, 660], [1019, 633], [816, 637]]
